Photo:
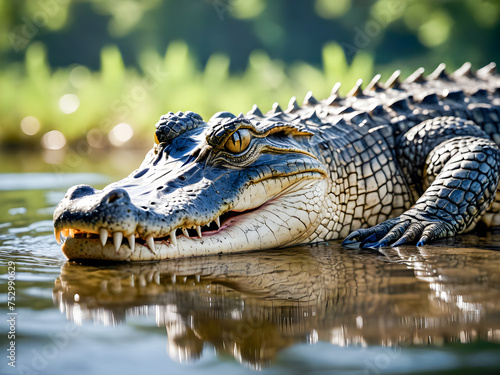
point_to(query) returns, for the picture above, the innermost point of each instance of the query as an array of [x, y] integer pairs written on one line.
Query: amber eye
[[156, 144], [239, 141]]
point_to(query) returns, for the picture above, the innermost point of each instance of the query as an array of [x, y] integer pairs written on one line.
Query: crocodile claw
[[403, 230], [370, 236]]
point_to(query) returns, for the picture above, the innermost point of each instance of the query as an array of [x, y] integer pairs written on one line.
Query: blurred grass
[[172, 82], [146, 68]]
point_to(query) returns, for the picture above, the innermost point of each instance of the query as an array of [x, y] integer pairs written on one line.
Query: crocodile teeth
[[217, 221], [198, 230], [151, 243], [131, 242], [65, 233], [57, 233], [103, 233], [117, 240], [185, 232], [142, 281], [173, 238]]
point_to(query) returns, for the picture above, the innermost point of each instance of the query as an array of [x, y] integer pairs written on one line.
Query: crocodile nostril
[[114, 197]]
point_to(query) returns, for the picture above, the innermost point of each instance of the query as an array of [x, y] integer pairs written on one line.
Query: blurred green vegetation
[[83, 66]]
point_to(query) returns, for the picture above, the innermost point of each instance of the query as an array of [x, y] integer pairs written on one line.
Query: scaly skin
[[404, 162]]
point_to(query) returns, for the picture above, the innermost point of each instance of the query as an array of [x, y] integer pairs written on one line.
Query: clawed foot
[[399, 231]]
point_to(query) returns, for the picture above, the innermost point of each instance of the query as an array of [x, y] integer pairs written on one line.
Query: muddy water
[[311, 309]]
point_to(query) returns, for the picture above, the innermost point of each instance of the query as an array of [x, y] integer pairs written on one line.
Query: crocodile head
[[232, 184]]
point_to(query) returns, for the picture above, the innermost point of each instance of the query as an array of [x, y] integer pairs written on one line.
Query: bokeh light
[[120, 134], [53, 140], [79, 76], [332, 9], [436, 30], [69, 103], [247, 9], [30, 125]]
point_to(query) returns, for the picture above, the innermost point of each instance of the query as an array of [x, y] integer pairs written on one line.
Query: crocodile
[[401, 162]]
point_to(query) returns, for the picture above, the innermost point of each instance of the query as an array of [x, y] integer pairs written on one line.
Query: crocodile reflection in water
[[251, 306]]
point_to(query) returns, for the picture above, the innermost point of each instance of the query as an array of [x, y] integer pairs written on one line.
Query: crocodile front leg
[[458, 166]]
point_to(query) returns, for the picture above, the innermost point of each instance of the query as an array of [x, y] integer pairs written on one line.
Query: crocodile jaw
[[285, 220], [259, 182]]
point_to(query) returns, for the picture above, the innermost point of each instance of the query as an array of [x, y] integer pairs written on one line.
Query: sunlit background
[[80, 75]]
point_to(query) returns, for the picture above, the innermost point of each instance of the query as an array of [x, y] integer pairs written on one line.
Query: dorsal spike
[[241, 115], [416, 76], [400, 105], [313, 116], [487, 70], [393, 82], [276, 108], [292, 105], [333, 101], [464, 71], [374, 84], [378, 110], [356, 90], [255, 111], [310, 99], [456, 96], [335, 89], [430, 99], [359, 117], [334, 98], [345, 109], [480, 93], [438, 73]]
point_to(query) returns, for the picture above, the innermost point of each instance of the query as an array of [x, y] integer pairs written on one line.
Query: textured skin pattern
[[171, 125], [395, 163], [417, 143], [461, 173]]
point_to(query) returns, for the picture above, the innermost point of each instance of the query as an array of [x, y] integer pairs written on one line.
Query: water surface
[[317, 309]]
